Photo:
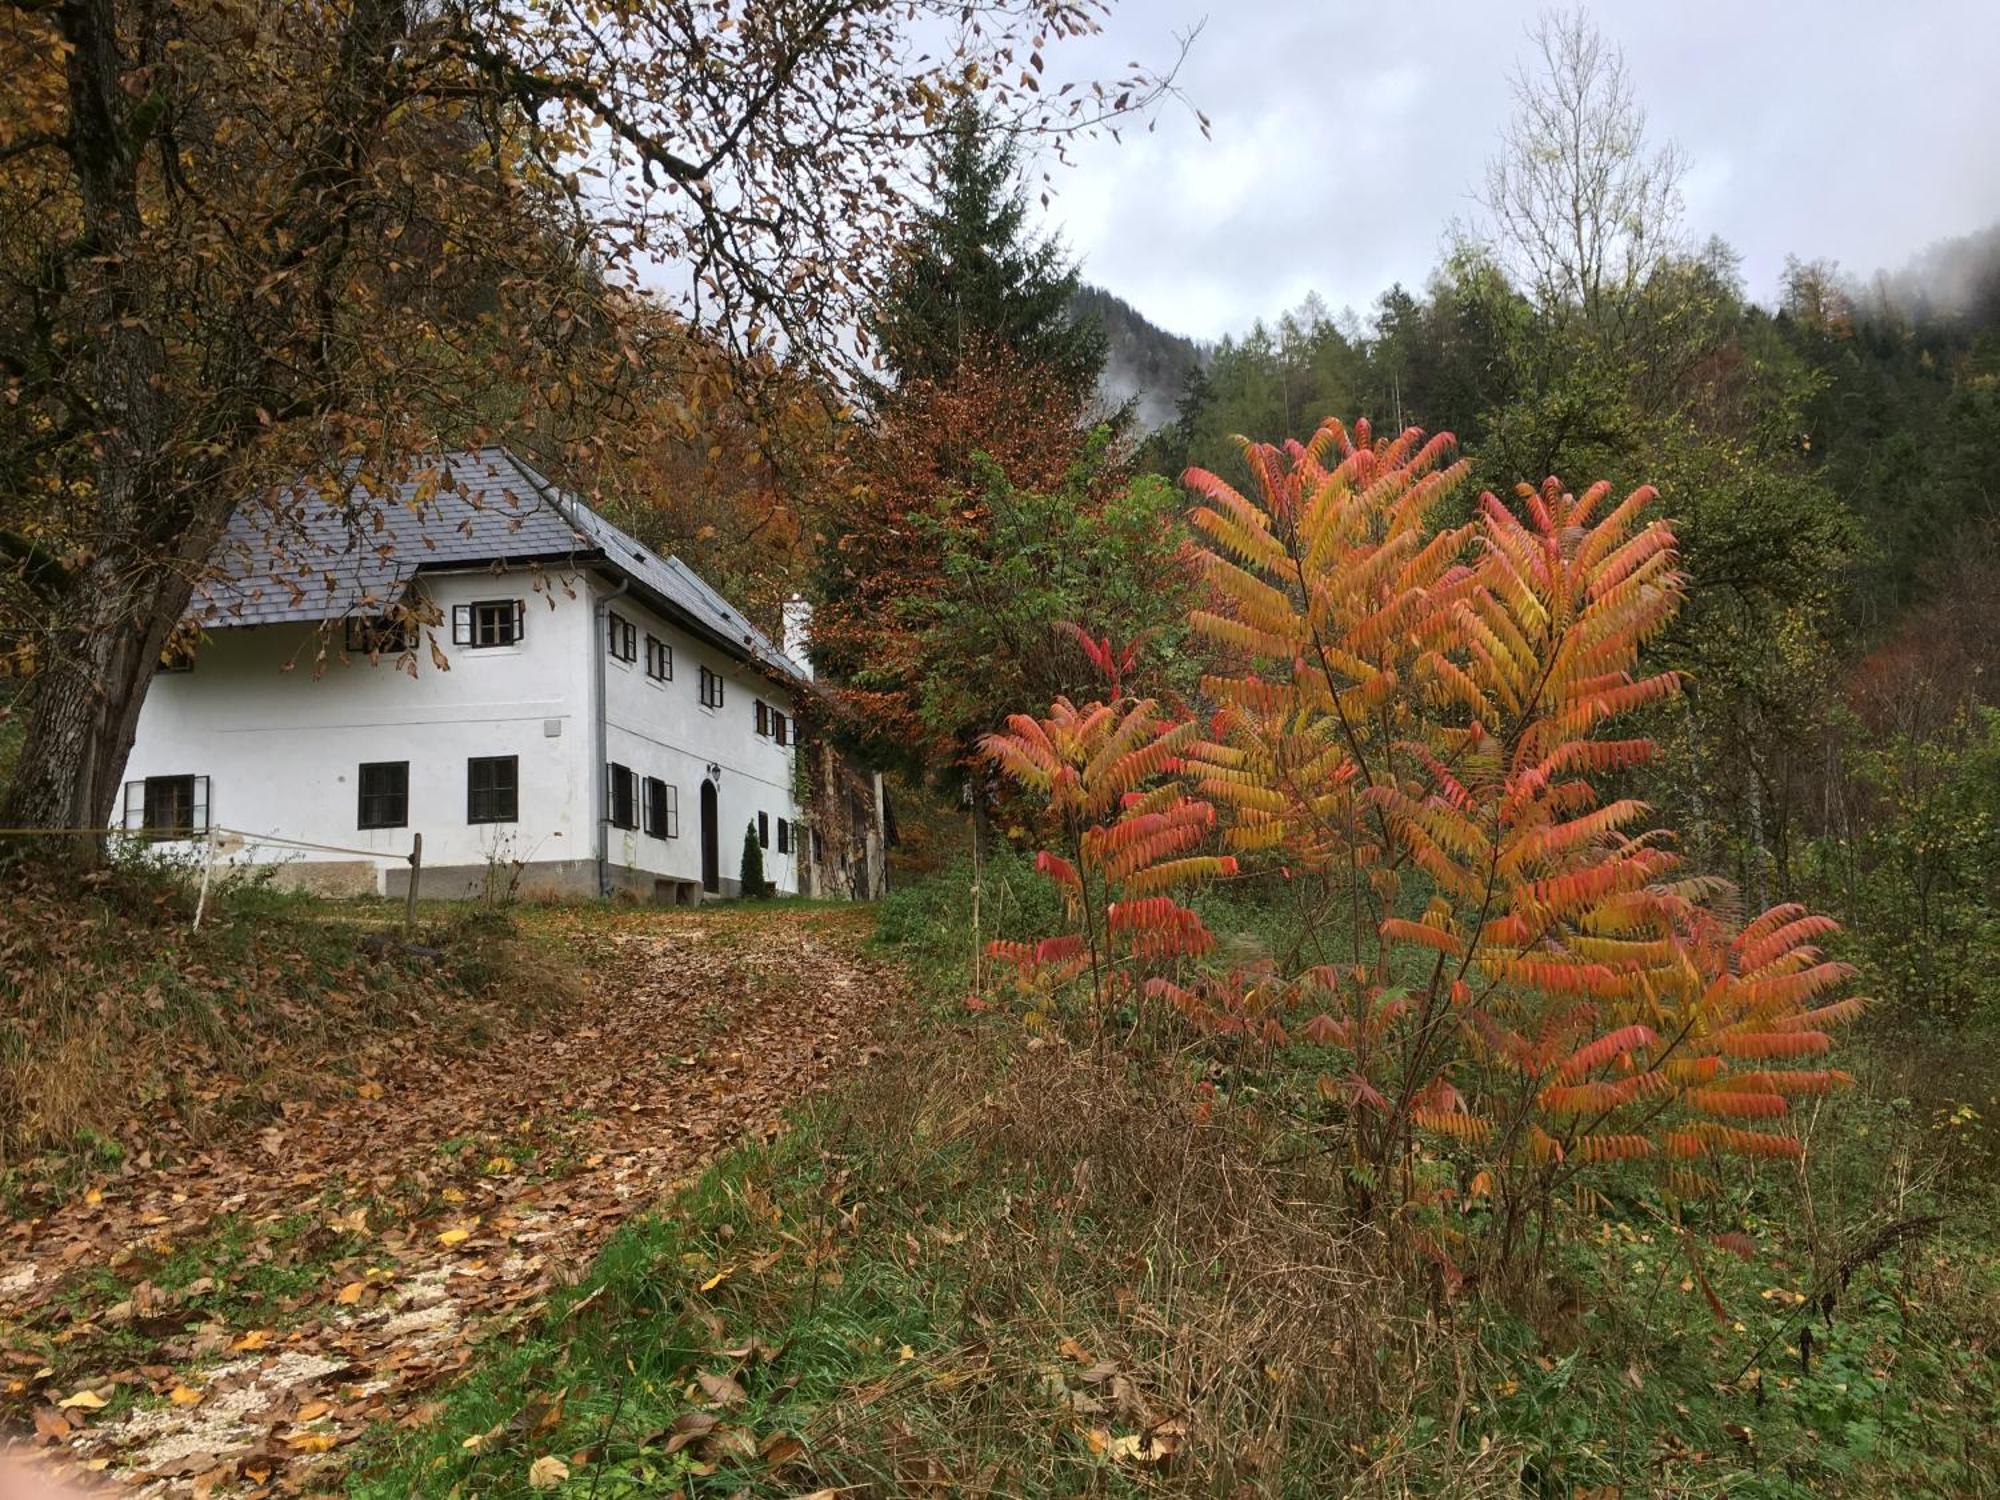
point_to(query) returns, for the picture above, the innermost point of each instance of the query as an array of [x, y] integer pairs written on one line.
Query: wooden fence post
[[416, 870]]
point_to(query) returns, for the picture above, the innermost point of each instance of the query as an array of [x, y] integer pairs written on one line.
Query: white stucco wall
[[663, 729], [282, 748]]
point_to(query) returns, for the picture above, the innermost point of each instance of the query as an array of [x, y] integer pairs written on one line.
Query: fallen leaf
[[256, 1339], [690, 1427], [311, 1442], [350, 1294], [454, 1237], [718, 1278], [721, 1389], [88, 1400], [780, 1448], [51, 1424], [184, 1395], [546, 1472]]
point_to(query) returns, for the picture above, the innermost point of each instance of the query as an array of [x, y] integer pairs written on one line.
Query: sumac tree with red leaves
[[1505, 976]]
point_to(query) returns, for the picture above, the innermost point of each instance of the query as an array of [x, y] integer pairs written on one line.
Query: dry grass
[[123, 1031], [1133, 1272]]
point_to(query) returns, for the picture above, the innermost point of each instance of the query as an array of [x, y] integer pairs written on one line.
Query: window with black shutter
[[784, 837], [781, 727], [380, 635], [763, 830], [489, 622], [623, 638], [622, 787], [385, 795], [659, 659], [167, 806], [656, 807], [711, 688], [493, 789], [763, 717]]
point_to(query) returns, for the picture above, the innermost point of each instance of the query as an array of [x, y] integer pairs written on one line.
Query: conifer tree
[[971, 276], [752, 871]]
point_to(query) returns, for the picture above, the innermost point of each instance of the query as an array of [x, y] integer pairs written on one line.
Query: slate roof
[[306, 556]]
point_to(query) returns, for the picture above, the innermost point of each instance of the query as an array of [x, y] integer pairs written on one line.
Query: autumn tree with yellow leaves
[[245, 246]]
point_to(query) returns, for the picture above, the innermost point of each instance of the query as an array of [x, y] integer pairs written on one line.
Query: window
[[784, 837], [763, 830], [711, 688], [167, 806], [493, 789], [659, 659], [781, 727], [385, 795], [622, 637], [763, 717], [663, 809], [490, 622], [818, 847], [380, 636], [622, 793]]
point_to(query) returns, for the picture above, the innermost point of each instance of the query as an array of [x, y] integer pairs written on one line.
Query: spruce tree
[[971, 275], [752, 872]]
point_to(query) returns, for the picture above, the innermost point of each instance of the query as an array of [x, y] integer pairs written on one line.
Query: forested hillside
[[1143, 363]]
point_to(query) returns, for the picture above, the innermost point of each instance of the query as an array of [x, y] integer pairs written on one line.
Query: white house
[[482, 659]]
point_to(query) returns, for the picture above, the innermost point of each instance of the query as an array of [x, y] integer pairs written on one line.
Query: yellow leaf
[[370, 1090], [93, 1197], [88, 1400], [453, 1195], [312, 1411], [184, 1395], [718, 1278], [255, 1339], [546, 1472], [310, 1442], [350, 1294], [499, 1165], [454, 1237]]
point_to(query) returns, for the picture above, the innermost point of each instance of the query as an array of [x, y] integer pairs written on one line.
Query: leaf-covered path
[[230, 1323]]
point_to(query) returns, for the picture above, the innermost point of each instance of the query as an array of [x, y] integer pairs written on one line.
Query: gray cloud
[[1347, 138]]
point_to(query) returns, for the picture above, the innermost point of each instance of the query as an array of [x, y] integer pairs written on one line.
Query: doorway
[[711, 841]]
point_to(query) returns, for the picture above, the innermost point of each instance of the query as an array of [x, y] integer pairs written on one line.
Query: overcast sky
[[1347, 136]]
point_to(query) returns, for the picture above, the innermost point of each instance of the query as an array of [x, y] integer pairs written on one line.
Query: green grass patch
[[1005, 1264]]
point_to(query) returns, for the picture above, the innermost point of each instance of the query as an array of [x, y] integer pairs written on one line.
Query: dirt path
[[228, 1325]]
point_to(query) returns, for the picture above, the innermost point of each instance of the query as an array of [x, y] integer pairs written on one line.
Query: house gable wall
[[663, 729]]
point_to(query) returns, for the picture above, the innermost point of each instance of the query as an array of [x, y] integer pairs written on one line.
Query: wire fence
[[216, 839]]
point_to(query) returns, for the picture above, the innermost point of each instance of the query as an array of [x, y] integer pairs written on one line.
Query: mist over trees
[[1824, 461]]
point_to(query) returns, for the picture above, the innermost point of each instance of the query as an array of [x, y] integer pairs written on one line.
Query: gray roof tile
[[304, 555]]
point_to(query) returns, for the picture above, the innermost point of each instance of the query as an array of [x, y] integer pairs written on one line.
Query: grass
[[1005, 1265]]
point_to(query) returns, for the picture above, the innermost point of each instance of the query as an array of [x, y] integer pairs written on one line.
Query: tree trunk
[[86, 705]]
